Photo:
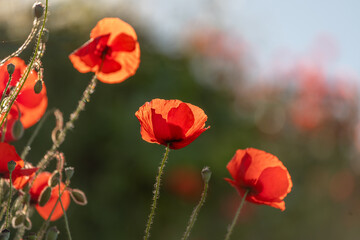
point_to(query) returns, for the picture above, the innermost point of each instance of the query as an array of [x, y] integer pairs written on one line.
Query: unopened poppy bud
[[5, 234], [38, 9], [38, 86], [52, 233], [44, 196], [11, 165], [45, 35], [78, 197], [10, 68], [30, 236], [17, 130], [18, 220], [69, 172], [54, 179], [206, 174]]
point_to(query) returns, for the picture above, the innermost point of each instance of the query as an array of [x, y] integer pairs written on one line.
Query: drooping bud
[[10, 68], [11, 165], [17, 130], [44, 196], [5, 234], [78, 197], [45, 35], [38, 9], [54, 179], [38, 86], [206, 174], [52, 233], [18, 220], [69, 172]]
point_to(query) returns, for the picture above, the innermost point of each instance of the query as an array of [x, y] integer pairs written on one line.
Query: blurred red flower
[[112, 52], [32, 106], [171, 122], [20, 176], [38, 186], [263, 174]]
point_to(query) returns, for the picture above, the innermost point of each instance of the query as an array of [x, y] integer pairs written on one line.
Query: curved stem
[[196, 212], [230, 229], [65, 217], [156, 193]]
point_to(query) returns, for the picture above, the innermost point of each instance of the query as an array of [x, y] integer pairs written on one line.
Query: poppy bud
[[10, 68], [54, 179], [206, 174], [69, 172], [18, 220], [44, 196], [78, 196], [11, 165], [38, 9], [5, 234], [45, 35], [38, 86], [52, 233], [17, 130]]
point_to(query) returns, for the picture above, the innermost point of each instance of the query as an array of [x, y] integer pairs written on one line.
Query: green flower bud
[[10, 68], [44, 196], [52, 233], [17, 130], [54, 179], [38, 9], [78, 197], [38, 86], [11, 165], [206, 174]]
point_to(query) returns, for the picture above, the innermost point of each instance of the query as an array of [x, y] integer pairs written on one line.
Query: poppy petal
[[182, 117], [123, 42]]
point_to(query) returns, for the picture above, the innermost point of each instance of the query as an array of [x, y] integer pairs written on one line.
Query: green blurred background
[[299, 115]]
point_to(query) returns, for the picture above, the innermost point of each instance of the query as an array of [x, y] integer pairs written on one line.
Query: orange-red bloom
[[20, 176], [39, 184], [171, 122], [263, 174], [112, 52], [32, 106]]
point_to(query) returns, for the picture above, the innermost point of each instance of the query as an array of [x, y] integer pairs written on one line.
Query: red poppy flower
[[266, 178], [32, 106], [20, 176], [39, 184], [171, 122], [112, 52]]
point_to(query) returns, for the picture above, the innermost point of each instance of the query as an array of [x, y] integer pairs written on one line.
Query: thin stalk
[[25, 44], [15, 92], [65, 217], [156, 193], [230, 229], [196, 212], [45, 225], [9, 202], [6, 88], [27, 147]]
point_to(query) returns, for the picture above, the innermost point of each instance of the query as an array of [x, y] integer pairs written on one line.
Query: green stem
[[27, 147], [196, 212], [9, 201], [65, 217], [15, 92], [236, 216], [45, 225], [6, 88], [156, 193]]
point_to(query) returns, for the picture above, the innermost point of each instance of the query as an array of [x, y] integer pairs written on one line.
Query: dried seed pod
[[38, 86], [10, 68], [38, 9], [18, 220], [206, 174], [54, 179], [69, 172]]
